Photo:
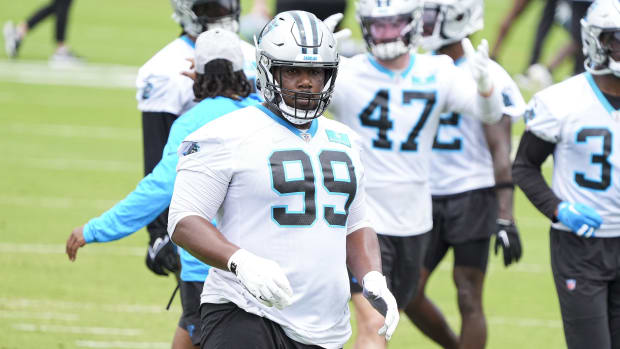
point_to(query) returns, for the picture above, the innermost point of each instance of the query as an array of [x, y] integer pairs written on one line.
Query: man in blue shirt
[[222, 87]]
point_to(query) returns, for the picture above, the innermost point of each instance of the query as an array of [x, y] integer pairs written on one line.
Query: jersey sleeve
[[357, 212], [512, 100], [163, 92], [541, 121], [203, 174]]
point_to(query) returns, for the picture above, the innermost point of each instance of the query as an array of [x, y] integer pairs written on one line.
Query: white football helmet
[[372, 14], [600, 28], [449, 21], [295, 39], [197, 16]]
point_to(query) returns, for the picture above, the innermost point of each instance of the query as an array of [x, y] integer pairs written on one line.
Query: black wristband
[[504, 185]]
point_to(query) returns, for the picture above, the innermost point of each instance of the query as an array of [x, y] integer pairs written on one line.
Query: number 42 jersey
[[397, 115], [285, 195], [585, 128]]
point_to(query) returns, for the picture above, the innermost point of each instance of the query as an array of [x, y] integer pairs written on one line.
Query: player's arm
[[506, 232]]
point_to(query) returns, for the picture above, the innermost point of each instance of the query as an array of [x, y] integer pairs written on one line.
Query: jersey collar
[[390, 73], [599, 94], [311, 131], [188, 41]]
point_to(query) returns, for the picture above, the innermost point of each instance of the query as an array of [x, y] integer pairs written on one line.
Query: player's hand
[[332, 22], [376, 291], [263, 278], [583, 220], [478, 63], [74, 242], [507, 237], [191, 73], [162, 256]]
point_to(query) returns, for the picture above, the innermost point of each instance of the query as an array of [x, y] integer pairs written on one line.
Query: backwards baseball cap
[[218, 44]]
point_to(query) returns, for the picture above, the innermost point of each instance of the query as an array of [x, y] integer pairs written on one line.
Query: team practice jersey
[[397, 114], [585, 128], [162, 88], [461, 159], [285, 195], [152, 195]]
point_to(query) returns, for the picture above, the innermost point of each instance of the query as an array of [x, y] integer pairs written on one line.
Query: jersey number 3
[[303, 183], [598, 158]]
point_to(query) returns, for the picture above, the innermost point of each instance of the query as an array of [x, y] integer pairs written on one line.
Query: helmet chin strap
[[389, 50], [289, 112]]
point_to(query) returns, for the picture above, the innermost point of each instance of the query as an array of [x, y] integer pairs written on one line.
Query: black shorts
[[190, 300], [226, 326], [464, 222], [401, 261], [587, 280]]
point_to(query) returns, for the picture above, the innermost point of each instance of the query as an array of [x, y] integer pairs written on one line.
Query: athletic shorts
[[464, 222], [586, 273], [401, 261], [226, 326], [190, 300]]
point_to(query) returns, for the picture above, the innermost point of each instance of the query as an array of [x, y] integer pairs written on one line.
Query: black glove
[[507, 236], [162, 256]]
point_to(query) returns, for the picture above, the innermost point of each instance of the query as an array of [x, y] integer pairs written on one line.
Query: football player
[[287, 186], [393, 98], [471, 185], [164, 94], [222, 87], [578, 121]]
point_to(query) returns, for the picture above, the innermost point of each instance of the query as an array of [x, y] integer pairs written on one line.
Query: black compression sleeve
[[527, 175]]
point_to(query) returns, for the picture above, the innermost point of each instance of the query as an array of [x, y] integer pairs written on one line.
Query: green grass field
[[70, 152]]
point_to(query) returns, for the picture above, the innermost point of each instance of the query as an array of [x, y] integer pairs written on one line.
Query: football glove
[[581, 219], [263, 278], [161, 256], [478, 63], [507, 237], [332, 22], [376, 291]]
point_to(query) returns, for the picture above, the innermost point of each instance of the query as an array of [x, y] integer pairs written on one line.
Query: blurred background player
[[393, 98], [221, 87], [471, 184], [578, 122], [287, 186], [14, 35], [164, 94]]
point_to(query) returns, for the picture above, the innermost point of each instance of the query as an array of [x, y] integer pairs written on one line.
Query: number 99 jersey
[[289, 196], [397, 114], [576, 116]]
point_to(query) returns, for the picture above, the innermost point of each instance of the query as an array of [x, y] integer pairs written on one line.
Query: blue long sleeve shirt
[[154, 192]]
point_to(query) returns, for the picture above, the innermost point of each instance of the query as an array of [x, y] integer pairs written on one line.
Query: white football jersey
[[162, 88], [576, 116], [291, 197], [396, 115], [461, 159]]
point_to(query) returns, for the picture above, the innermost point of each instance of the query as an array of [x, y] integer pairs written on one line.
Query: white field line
[[86, 75], [112, 250], [53, 305], [118, 344], [38, 315], [54, 202], [74, 131], [104, 331], [77, 164]]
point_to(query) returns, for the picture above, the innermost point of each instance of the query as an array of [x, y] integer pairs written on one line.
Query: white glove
[[332, 22], [263, 278], [376, 291], [478, 63]]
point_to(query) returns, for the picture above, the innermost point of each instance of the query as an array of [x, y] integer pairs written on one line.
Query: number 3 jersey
[[288, 196], [396, 115], [585, 128]]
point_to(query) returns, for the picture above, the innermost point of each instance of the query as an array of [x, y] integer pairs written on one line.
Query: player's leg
[[187, 335], [544, 25], [580, 281], [421, 310], [470, 261], [36, 18], [614, 304], [515, 12]]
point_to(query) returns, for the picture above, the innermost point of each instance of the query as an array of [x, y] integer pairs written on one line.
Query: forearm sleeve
[[526, 173]]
